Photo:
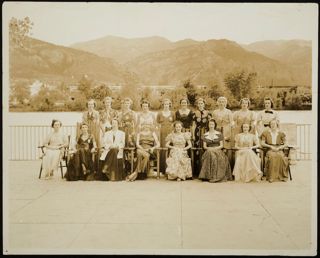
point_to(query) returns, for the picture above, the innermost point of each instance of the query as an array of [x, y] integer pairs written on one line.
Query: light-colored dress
[[247, 165], [178, 162], [215, 164], [276, 163], [51, 159], [224, 120], [240, 117], [146, 119], [166, 126]]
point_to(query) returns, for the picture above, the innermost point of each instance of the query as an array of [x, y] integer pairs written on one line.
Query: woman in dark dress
[[81, 164], [276, 163], [201, 118], [215, 164], [165, 119], [185, 115]]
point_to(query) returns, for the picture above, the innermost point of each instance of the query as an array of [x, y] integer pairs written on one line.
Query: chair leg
[[289, 170], [61, 168], [40, 171]]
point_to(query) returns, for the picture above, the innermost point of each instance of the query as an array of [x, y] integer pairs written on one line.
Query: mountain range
[[156, 60]]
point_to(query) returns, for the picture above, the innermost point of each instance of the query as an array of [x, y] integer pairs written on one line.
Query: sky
[[69, 23]]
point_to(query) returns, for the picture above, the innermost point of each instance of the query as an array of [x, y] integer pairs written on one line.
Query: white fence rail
[[24, 140]]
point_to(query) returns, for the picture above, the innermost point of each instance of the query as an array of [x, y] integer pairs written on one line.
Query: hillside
[[297, 54], [208, 60], [123, 50], [45, 61]]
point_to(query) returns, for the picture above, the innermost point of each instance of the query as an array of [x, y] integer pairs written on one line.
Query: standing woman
[[215, 164], [112, 155], [201, 118], [146, 116], [91, 118], [185, 115], [265, 116], [128, 121], [247, 165], [106, 115], [276, 164], [224, 120], [178, 162], [244, 116], [54, 145], [165, 119]]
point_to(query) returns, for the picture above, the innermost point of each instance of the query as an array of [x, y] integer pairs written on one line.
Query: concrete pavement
[[157, 216]]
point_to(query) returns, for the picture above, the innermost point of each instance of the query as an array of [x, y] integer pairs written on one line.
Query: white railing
[[24, 140]]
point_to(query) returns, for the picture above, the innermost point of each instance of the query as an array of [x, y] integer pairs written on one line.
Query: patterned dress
[[127, 124], [264, 117], [92, 120], [178, 162], [165, 128], [224, 120], [106, 117], [240, 117], [215, 164], [247, 165], [201, 119]]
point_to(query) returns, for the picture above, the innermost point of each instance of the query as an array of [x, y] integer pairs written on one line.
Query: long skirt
[[113, 167], [276, 166], [215, 166], [50, 161], [73, 170], [247, 166], [178, 165]]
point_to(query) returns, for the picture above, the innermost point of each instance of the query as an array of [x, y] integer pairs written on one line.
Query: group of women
[[222, 143]]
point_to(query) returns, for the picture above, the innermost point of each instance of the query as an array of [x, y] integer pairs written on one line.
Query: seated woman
[[215, 163], [81, 164], [276, 164], [112, 156], [247, 164], [54, 148], [147, 141], [178, 162]]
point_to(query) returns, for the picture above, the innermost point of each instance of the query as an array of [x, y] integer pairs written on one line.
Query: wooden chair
[[63, 163]]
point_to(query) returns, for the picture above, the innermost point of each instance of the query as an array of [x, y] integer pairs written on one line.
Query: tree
[[191, 92], [20, 92], [19, 30], [85, 86], [100, 92], [240, 83]]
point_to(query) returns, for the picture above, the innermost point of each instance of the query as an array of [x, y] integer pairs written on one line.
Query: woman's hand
[[93, 150]]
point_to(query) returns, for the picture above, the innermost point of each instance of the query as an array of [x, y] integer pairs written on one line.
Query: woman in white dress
[[265, 116], [54, 145], [247, 164], [146, 116]]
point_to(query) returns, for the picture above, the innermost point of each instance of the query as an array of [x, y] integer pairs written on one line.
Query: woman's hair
[[83, 124], [93, 101], [128, 99], [200, 99], [166, 100], [250, 127], [245, 99], [222, 98], [175, 123], [107, 98], [54, 121], [186, 99], [274, 120], [145, 102], [268, 98], [214, 121]]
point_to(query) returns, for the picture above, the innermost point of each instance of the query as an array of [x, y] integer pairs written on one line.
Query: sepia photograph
[[159, 128]]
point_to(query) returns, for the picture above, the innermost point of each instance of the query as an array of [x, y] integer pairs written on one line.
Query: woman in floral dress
[[178, 162]]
